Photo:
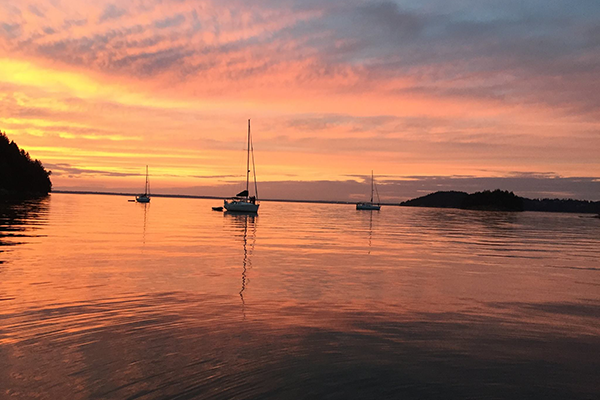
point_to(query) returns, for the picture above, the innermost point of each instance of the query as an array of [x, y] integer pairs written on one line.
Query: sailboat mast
[[371, 186], [253, 168], [146, 187], [248, 161]]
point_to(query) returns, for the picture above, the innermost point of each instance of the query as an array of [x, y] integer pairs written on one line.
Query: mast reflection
[[370, 231], [246, 223], [146, 209]]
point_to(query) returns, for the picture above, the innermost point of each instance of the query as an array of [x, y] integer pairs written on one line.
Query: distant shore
[[499, 200], [433, 200], [186, 196]]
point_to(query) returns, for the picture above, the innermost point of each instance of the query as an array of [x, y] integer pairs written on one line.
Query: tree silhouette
[[498, 200], [19, 174], [501, 200]]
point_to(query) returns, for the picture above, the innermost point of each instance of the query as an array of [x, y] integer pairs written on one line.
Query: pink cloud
[[343, 87]]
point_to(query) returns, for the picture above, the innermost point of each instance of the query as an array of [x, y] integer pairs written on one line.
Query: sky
[[429, 94]]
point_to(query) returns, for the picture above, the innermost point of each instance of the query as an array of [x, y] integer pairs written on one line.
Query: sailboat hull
[[144, 198], [240, 206], [368, 206], [242, 202]]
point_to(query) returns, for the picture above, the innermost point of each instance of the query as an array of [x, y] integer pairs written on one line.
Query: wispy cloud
[[35, 10], [9, 30], [333, 87], [61, 169], [170, 22], [111, 11]]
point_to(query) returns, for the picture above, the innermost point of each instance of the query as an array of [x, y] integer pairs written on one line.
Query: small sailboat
[[144, 198], [243, 202], [370, 205]]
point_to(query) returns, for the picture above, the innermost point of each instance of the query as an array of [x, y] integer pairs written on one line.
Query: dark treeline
[[451, 199], [562, 205], [500, 200], [19, 174]]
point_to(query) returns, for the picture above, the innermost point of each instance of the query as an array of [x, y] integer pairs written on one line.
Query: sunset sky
[[430, 94]]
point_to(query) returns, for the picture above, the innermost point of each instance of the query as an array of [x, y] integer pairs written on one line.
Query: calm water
[[102, 298]]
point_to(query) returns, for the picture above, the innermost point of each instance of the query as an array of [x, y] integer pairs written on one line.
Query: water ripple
[[102, 298]]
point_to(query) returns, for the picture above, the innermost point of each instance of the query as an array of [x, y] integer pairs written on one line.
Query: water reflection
[[241, 222], [146, 210], [20, 219], [366, 217], [370, 231], [448, 304], [446, 221]]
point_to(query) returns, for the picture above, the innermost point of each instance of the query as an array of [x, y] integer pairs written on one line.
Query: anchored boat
[[243, 202], [370, 205], [144, 198]]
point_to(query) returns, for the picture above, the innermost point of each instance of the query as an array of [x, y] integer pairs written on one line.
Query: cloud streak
[[515, 55], [333, 87]]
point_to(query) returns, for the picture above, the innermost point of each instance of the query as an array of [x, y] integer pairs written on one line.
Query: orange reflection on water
[[417, 259], [114, 298]]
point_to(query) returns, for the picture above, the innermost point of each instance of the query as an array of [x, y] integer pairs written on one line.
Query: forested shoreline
[[501, 200], [20, 175]]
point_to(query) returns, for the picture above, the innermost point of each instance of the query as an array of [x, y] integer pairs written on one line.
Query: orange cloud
[[333, 90]]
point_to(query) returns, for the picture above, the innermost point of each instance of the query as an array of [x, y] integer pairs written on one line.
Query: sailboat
[[144, 198], [370, 205], [243, 202]]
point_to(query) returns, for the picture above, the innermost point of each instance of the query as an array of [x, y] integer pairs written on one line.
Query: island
[[501, 200], [20, 176]]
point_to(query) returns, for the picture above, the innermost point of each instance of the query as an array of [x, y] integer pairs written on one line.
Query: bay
[[103, 298]]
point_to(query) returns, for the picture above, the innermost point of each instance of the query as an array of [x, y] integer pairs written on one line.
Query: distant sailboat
[[370, 205], [144, 198], [243, 202]]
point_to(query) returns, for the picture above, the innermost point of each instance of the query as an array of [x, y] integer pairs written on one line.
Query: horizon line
[[190, 196]]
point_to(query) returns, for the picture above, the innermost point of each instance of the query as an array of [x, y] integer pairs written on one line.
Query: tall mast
[[146, 188], [371, 186], [248, 161]]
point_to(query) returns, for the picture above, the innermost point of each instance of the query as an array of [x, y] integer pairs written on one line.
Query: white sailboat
[[243, 202], [144, 198], [370, 205]]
